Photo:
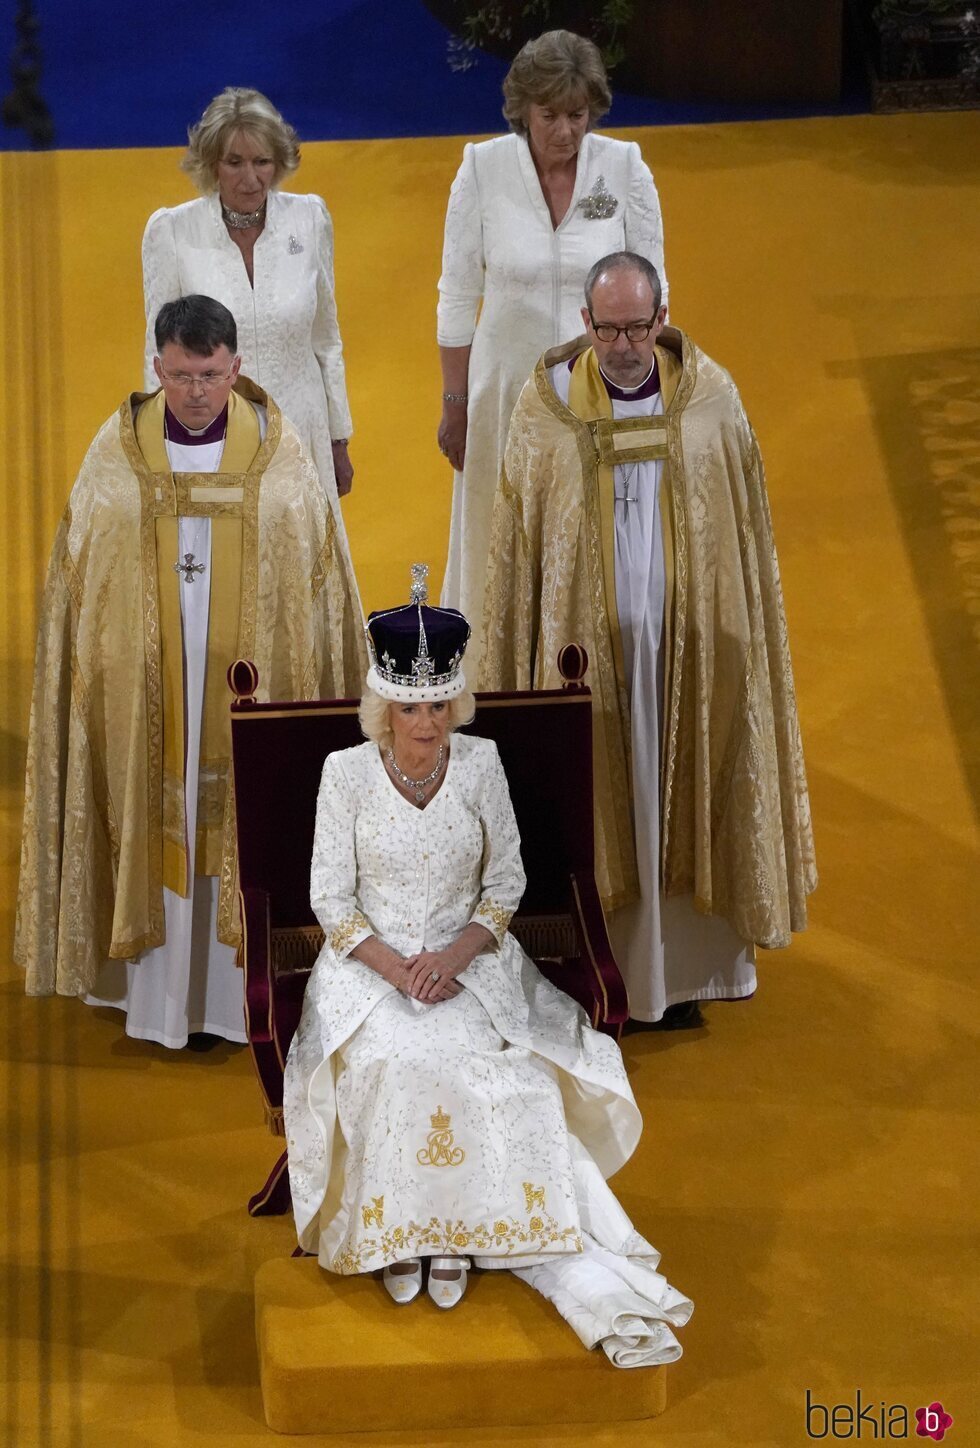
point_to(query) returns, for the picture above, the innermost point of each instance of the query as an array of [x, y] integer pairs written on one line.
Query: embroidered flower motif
[[294, 247], [599, 204], [343, 936], [438, 1237], [495, 917]]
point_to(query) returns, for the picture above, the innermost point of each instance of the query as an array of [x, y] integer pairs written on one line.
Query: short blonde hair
[[559, 69], [376, 723], [238, 109]]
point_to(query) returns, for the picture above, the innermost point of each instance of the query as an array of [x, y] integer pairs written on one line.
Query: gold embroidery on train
[[448, 1238]]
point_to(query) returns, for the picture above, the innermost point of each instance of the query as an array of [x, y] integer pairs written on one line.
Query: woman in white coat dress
[[268, 256], [442, 1100], [528, 215]]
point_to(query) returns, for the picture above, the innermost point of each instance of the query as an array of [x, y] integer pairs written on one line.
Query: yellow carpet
[[807, 1156]]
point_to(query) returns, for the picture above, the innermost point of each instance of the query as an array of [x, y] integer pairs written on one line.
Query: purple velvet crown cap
[[417, 650]]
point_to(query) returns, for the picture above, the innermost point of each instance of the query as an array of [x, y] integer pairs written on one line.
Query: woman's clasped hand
[[431, 975]]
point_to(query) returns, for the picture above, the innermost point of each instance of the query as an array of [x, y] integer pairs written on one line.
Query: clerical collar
[[649, 387], [175, 431]]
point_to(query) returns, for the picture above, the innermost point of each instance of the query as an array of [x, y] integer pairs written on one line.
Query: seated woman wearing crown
[[443, 1101]]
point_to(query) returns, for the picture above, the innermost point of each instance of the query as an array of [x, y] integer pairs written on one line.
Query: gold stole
[[624, 440], [218, 496]]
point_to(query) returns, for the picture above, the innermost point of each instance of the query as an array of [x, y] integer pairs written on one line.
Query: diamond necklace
[[242, 220], [418, 786]]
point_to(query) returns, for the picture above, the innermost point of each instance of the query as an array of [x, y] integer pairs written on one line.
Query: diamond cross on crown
[[422, 668], [420, 584]]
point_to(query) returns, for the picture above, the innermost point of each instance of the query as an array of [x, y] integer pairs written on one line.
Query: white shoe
[[404, 1287], [446, 1290]]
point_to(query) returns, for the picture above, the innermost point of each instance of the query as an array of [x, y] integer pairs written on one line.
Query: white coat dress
[[503, 256], [288, 333]]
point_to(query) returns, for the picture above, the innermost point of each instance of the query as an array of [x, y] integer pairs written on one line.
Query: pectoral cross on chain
[[627, 497], [188, 568]]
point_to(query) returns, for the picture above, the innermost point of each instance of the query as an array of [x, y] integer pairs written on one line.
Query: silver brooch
[[600, 204], [294, 247]]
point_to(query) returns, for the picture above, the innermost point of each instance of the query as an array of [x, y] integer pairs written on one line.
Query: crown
[[417, 650], [440, 1122]]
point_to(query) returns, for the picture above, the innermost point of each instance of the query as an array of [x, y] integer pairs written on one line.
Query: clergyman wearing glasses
[[632, 517]]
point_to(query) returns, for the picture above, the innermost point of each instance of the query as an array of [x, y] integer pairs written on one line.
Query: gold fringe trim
[[295, 948], [546, 937]]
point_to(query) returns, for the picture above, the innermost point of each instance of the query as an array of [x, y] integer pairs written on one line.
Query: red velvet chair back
[[545, 744]]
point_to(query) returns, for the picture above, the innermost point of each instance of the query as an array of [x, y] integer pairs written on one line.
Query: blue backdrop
[[124, 75]]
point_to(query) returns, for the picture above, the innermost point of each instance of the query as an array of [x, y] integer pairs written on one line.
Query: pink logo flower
[[932, 1422]]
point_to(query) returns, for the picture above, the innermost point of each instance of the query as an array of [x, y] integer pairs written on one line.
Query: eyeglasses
[[206, 379], [635, 331]]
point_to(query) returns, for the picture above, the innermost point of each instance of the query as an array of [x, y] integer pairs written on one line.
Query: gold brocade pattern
[[91, 883], [441, 1237], [212, 789], [324, 561], [100, 789], [440, 1150], [533, 1196], [173, 809], [735, 824], [68, 569], [676, 623], [153, 673]]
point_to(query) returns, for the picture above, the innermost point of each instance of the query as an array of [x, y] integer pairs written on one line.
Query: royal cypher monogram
[[440, 1150]]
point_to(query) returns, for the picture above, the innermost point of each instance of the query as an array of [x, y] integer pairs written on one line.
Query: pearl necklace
[[418, 786], [242, 220]]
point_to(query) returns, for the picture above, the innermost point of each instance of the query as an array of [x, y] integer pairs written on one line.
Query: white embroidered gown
[[502, 250], [288, 334], [484, 1125]]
